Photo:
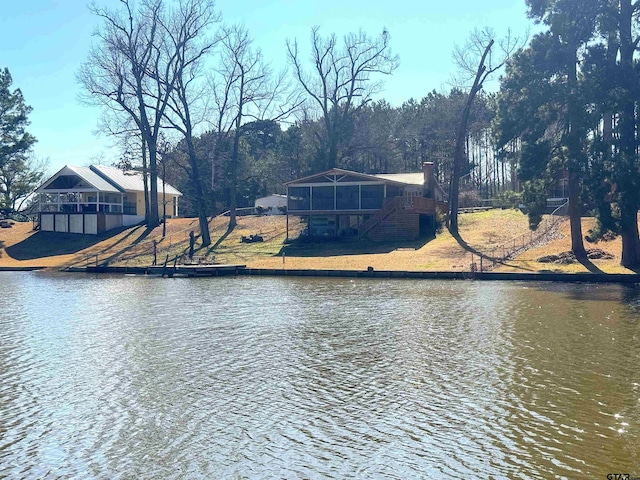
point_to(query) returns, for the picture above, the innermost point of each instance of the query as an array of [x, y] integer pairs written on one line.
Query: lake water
[[134, 377]]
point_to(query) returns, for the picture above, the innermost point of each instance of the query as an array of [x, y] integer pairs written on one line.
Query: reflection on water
[[116, 377]]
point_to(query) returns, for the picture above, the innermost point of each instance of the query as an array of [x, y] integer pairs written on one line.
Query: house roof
[[130, 180], [273, 195], [398, 178], [94, 180], [407, 178], [105, 179]]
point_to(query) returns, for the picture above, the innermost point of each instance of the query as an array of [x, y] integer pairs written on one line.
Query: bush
[[508, 199], [469, 198]]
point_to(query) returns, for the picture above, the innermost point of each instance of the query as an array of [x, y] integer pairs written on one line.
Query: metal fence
[[517, 245]]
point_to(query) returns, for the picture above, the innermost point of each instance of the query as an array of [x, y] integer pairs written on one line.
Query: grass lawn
[[484, 232]]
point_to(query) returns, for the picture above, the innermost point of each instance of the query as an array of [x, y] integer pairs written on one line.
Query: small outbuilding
[[272, 204]]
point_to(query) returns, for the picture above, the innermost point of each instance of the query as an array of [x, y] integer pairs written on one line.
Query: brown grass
[[485, 232], [562, 243]]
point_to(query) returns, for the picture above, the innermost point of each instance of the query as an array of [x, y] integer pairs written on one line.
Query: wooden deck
[[212, 270], [203, 270]]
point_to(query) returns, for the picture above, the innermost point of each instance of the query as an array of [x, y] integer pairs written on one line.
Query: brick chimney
[[429, 179]]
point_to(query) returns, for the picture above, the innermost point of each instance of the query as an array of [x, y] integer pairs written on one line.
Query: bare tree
[[244, 89], [186, 31], [133, 150], [476, 64], [129, 70], [341, 81]]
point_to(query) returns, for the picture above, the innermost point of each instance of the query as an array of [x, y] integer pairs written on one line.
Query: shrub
[[469, 198], [508, 199]]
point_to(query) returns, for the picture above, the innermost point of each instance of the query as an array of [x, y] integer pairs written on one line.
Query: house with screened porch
[[342, 203], [98, 198]]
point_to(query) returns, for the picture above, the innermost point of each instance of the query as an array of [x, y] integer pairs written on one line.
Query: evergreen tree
[[19, 174], [15, 141]]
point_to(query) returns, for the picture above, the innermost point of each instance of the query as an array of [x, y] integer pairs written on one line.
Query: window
[[322, 198], [299, 198], [372, 197], [64, 182], [347, 197]]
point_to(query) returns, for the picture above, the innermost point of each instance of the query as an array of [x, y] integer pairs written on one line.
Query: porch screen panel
[[393, 191], [347, 197], [129, 205], [372, 197], [322, 198], [299, 198]]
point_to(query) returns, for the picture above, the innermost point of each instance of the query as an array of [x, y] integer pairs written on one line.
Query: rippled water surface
[[133, 377]]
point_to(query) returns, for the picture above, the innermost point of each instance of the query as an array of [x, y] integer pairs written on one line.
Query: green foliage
[[19, 177], [19, 174], [534, 197], [602, 231], [508, 199], [15, 141]]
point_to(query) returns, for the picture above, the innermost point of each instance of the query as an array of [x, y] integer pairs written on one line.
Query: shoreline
[[21, 269], [444, 256], [241, 270]]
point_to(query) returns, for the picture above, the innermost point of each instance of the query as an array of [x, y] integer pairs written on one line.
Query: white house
[[97, 198], [273, 204]]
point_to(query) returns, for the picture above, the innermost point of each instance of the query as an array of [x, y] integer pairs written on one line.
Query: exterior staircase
[[388, 208], [399, 219]]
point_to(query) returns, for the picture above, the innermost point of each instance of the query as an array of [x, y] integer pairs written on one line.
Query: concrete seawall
[[240, 270]]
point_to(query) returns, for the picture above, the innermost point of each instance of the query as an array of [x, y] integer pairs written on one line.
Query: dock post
[[164, 267]]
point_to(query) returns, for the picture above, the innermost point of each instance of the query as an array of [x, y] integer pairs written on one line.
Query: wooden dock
[[203, 270]]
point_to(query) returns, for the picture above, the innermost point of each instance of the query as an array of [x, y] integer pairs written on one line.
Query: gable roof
[[85, 174], [129, 180], [104, 179], [397, 178]]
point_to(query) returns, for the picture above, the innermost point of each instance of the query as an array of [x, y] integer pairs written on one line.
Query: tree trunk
[[461, 134], [234, 174], [145, 181], [454, 188], [203, 221], [154, 215], [630, 234], [575, 217], [575, 156]]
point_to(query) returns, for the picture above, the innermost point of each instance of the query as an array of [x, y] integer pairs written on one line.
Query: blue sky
[[45, 41]]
